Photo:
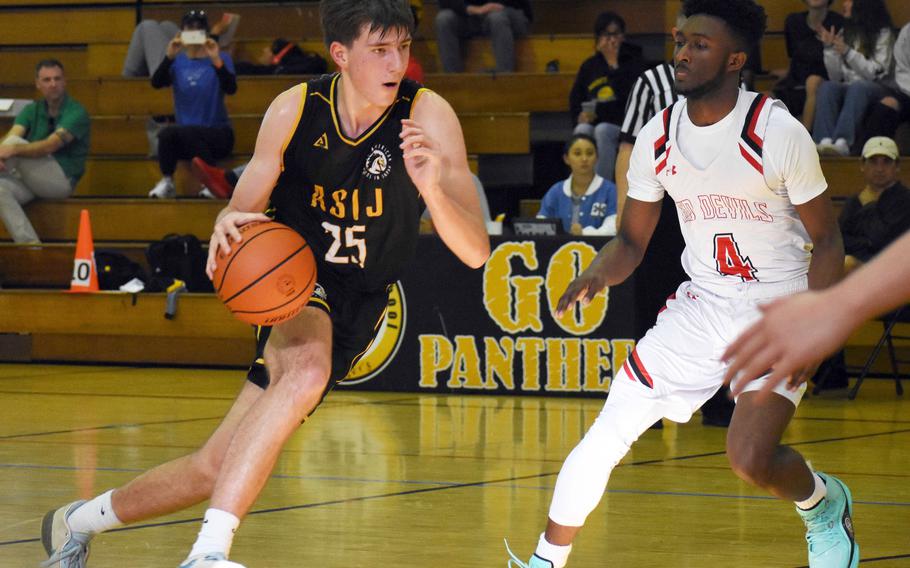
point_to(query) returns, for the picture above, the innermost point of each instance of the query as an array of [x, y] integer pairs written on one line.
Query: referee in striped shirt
[[660, 271]]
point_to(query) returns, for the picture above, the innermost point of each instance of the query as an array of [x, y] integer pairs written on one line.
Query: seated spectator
[[151, 38], [200, 74], [426, 222], [797, 89], [43, 154], [880, 213], [585, 201], [502, 21], [598, 97], [283, 57], [857, 60], [894, 108]]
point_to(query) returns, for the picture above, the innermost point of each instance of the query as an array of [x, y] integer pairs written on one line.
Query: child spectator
[[584, 202]]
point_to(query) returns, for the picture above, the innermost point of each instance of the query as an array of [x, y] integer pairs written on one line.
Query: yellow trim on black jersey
[[321, 302], [321, 96], [293, 131], [419, 92], [337, 121]]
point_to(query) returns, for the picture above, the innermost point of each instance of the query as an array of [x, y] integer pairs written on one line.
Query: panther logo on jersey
[[378, 165]]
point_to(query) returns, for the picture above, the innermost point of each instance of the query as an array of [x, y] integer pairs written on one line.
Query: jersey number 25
[[729, 260], [351, 238]]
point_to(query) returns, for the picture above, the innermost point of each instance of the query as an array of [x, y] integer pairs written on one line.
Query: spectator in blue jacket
[[200, 74], [584, 202]]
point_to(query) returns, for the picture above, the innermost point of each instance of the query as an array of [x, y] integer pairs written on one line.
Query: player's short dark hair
[[745, 19], [603, 21], [47, 63], [343, 20], [575, 138]]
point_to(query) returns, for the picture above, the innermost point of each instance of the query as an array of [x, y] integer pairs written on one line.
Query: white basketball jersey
[[737, 218]]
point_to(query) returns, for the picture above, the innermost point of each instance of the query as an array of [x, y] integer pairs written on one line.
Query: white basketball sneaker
[[65, 548]]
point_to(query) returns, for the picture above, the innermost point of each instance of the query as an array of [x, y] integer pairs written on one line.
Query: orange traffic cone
[[85, 273]]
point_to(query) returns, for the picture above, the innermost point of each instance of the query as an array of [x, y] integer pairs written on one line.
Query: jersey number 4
[[351, 238], [729, 260]]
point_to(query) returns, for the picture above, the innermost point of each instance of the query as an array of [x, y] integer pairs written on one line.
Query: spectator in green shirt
[[43, 154]]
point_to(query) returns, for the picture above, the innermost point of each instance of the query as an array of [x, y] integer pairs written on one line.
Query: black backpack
[[116, 269], [180, 257]]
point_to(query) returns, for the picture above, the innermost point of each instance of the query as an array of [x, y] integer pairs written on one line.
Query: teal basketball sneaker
[[829, 528]]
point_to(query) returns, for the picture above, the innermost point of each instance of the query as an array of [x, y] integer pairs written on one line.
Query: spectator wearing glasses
[[603, 83], [200, 75], [43, 154]]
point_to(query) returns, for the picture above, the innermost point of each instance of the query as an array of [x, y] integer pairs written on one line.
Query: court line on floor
[[73, 371], [106, 427], [161, 422], [876, 559]]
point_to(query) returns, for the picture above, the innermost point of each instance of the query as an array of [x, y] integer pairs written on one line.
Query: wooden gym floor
[[421, 480]]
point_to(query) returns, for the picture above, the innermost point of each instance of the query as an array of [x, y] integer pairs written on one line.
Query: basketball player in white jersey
[[750, 199]]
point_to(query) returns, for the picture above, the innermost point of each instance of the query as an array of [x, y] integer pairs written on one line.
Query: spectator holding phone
[[151, 37], [200, 75]]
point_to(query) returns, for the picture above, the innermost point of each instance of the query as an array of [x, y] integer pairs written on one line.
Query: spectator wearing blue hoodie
[[200, 74], [585, 202]]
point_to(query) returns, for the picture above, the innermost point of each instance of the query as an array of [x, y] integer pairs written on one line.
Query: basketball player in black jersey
[[349, 161]]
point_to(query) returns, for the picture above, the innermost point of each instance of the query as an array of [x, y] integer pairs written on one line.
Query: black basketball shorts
[[355, 316]]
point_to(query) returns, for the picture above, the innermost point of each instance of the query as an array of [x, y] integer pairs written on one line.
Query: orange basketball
[[267, 277]]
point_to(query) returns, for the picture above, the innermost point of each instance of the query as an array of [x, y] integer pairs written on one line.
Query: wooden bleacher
[[116, 219]]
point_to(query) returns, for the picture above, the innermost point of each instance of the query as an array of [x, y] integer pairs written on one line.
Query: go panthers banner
[[452, 329]]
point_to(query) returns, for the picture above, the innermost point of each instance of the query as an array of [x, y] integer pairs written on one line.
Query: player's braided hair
[[745, 18]]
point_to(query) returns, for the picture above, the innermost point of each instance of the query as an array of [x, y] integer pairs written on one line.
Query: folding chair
[[889, 320]]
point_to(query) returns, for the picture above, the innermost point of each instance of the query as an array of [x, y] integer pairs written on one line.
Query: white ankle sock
[[95, 516], [817, 494], [217, 533], [556, 554]]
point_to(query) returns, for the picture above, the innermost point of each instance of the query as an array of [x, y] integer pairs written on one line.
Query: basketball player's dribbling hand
[[421, 157], [226, 232], [582, 289], [790, 338]]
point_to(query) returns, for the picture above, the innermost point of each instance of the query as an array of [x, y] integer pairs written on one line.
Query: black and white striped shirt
[[652, 92]]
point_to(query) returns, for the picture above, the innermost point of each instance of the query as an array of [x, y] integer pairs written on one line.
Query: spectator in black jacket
[[503, 21], [880, 213], [807, 63], [597, 101]]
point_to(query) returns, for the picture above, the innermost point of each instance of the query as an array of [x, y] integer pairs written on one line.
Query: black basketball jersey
[[351, 199]]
